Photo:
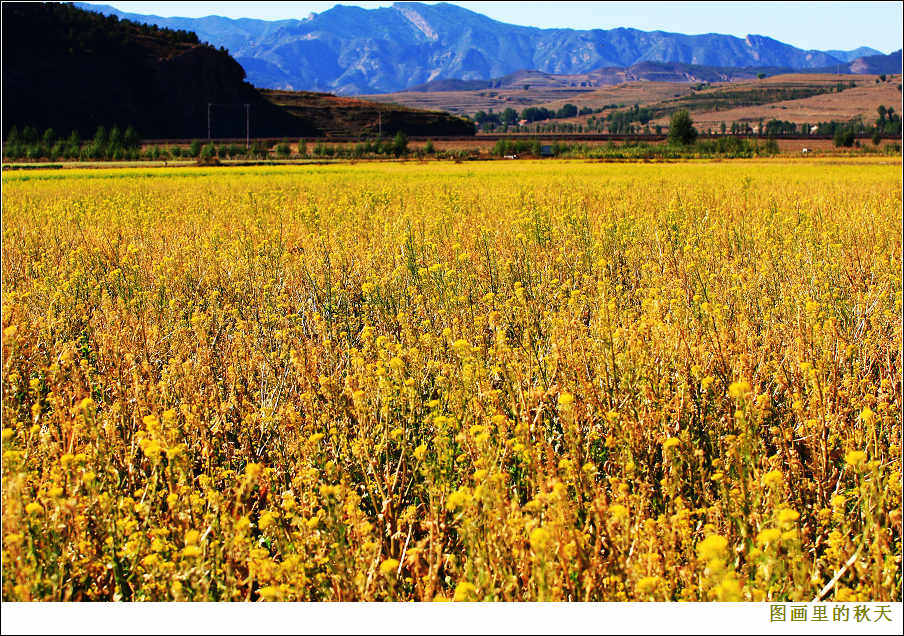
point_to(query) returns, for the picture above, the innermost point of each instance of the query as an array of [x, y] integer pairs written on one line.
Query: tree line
[[106, 144], [511, 117], [117, 145]]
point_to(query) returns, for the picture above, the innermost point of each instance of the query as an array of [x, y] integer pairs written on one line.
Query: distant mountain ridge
[[850, 56], [877, 64], [350, 50]]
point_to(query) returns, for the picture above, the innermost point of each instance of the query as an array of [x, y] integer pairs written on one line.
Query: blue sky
[[808, 25]]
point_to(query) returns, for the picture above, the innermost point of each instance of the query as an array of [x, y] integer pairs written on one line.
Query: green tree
[[101, 137], [29, 135], [428, 148], [131, 139], [843, 137], [568, 110], [73, 145], [681, 129], [195, 148], [115, 138], [12, 147], [400, 144]]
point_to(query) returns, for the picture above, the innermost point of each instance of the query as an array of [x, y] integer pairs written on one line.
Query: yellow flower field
[[487, 381]]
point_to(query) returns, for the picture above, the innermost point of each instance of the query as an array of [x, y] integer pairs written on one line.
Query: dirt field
[[469, 102], [863, 99], [853, 102]]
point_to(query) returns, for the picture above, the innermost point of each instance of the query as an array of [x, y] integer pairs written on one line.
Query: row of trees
[[636, 120], [106, 144], [118, 145], [888, 124], [570, 127], [682, 134], [397, 146], [728, 147], [510, 117], [624, 122]]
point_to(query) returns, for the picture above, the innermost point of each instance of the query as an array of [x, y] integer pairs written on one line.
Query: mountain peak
[[410, 12]]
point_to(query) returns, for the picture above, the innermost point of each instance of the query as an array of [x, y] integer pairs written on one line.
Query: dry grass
[[469, 102]]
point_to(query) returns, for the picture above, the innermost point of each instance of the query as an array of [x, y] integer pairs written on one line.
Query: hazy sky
[[808, 25]]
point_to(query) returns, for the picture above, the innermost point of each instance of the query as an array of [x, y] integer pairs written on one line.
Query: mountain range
[[349, 50]]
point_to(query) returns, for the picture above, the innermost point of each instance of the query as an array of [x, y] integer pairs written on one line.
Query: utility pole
[[247, 126]]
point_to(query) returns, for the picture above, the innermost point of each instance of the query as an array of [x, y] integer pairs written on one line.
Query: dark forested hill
[[69, 69]]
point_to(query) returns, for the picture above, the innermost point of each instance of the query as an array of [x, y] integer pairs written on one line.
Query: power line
[[247, 120]]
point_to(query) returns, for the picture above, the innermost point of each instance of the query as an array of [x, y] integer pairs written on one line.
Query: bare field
[[469, 102], [860, 101], [717, 102]]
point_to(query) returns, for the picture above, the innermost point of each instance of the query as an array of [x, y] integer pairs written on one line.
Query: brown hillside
[[344, 116], [799, 98]]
